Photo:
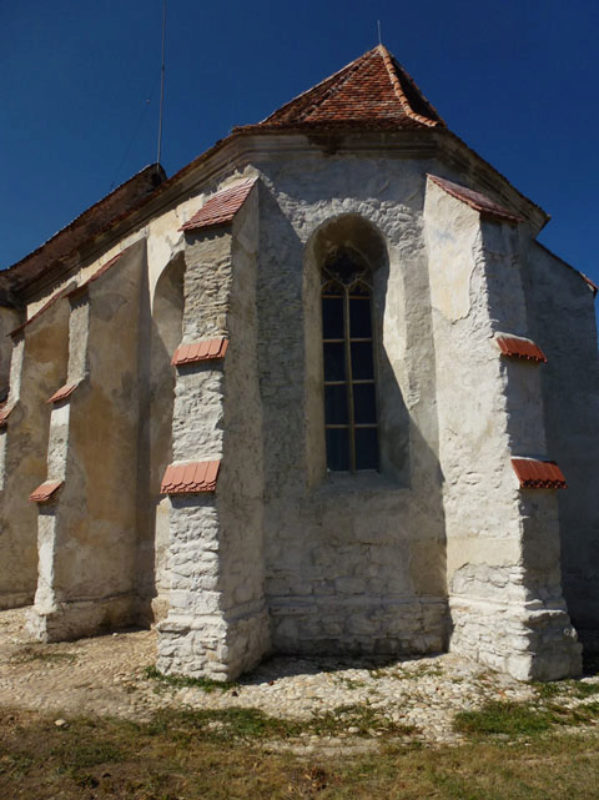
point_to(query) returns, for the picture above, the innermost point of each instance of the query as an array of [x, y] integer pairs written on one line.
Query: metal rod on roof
[[378, 25], [162, 71]]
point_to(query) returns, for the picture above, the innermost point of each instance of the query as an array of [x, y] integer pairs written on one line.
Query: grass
[[31, 653], [179, 681], [512, 719], [225, 755]]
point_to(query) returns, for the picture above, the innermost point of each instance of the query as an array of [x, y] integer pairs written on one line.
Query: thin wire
[[162, 71], [138, 124]]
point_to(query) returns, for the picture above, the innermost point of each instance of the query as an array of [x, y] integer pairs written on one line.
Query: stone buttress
[[38, 364], [217, 623], [87, 503], [503, 551]]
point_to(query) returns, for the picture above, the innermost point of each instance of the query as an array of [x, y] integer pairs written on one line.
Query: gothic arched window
[[349, 369]]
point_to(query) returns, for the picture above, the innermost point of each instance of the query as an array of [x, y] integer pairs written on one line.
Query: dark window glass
[[362, 364], [335, 405], [360, 325], [367, 449], [334, 361], [349, 402], [338, 449], [332, 318], [364, 403]]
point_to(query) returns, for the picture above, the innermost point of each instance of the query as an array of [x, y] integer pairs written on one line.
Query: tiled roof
[[220, 208], [517, 347], [45, 491], [190, 478], [479, 202], [373, 91], [535, 474], [206, 350], [52, 255], [4, 415], [63, 393]]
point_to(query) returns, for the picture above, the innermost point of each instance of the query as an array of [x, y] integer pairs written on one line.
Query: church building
[[321, 391]]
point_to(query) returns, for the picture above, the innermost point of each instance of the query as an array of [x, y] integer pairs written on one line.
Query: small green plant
[[522, 719], [39, 653], [360, 719], [226, 724], [178, 681], [351, 683], [503, 717]]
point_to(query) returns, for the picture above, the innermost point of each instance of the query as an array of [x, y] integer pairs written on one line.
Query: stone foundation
[[528, 643]]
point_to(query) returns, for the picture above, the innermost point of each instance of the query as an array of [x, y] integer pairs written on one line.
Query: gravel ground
[[105, 675]]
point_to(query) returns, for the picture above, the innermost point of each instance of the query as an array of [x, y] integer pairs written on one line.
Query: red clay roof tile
[[45, 491], [63, 393], [373, 91], [535, 474], [517, 347], [206, 350], [191, 478], [220, 208], [479, 202]]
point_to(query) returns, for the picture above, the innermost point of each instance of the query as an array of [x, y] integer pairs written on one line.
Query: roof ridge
[[391, 64]]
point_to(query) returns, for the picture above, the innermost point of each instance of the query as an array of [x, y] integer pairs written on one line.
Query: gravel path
[[105, 675]]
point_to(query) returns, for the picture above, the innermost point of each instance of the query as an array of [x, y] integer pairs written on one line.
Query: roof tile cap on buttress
[[535, 473], [520, 348], [45, 491], [476, 200], [190, 478], [206, 350], [220, 208]]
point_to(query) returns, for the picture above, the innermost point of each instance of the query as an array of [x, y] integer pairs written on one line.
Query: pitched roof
[[220, 208], [372, 91], [476, 200], [92, 222]]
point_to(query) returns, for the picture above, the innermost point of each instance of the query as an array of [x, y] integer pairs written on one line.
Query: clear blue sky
[[516, 79]]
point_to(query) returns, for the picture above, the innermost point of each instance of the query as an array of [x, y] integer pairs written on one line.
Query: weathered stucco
[[439, 548], [502, 543], [87, 535]]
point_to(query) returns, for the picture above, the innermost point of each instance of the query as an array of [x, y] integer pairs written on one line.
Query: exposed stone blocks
[[217, 622]]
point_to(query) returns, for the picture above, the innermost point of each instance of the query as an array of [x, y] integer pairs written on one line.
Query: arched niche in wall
[[353, 401], [166, 333]]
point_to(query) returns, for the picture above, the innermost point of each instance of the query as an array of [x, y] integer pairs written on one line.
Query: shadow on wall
[[362, 560], [164, 330]]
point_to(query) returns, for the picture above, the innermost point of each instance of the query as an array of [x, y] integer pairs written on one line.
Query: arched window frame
[[351, 403]]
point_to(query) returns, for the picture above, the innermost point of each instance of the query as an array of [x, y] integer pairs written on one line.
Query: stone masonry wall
[[217, 623], [354, 563]]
